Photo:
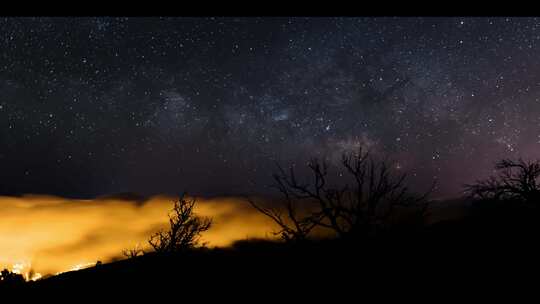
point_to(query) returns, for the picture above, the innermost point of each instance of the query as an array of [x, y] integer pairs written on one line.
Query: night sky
[[94, 106]]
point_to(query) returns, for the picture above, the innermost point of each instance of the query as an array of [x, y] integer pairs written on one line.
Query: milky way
[[90, 106]]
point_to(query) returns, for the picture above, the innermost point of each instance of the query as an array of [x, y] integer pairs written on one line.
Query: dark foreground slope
[[329, 268], [497, 246]]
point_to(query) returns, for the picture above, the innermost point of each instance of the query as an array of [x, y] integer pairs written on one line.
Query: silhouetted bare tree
[[185, 228], [517, 181], [358, 207], [293, 226]]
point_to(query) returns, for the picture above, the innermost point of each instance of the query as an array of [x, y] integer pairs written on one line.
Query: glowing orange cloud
[[52, 234]]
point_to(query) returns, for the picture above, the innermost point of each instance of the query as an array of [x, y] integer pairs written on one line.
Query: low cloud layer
[[52, 234]]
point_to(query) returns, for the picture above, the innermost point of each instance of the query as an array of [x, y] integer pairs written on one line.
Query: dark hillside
[[448, 251]]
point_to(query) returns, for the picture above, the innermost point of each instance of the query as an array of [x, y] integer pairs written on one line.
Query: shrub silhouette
[[185, 228], [134, 252], [361, 207], [10, 279]]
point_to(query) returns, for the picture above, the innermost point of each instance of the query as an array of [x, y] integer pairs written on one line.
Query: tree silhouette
[[516, 181], [185, 228], [360, 207]]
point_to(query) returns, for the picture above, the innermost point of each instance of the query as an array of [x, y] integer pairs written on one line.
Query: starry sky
[[94, 106]]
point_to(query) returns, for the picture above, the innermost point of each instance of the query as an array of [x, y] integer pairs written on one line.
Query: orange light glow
[[47, 234]]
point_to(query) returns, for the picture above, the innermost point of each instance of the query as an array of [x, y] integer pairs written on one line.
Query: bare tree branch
[[517, 180], [185, 228], [357, 208]]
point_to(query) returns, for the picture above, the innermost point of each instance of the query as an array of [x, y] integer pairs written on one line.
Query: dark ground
[[496, 245]]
